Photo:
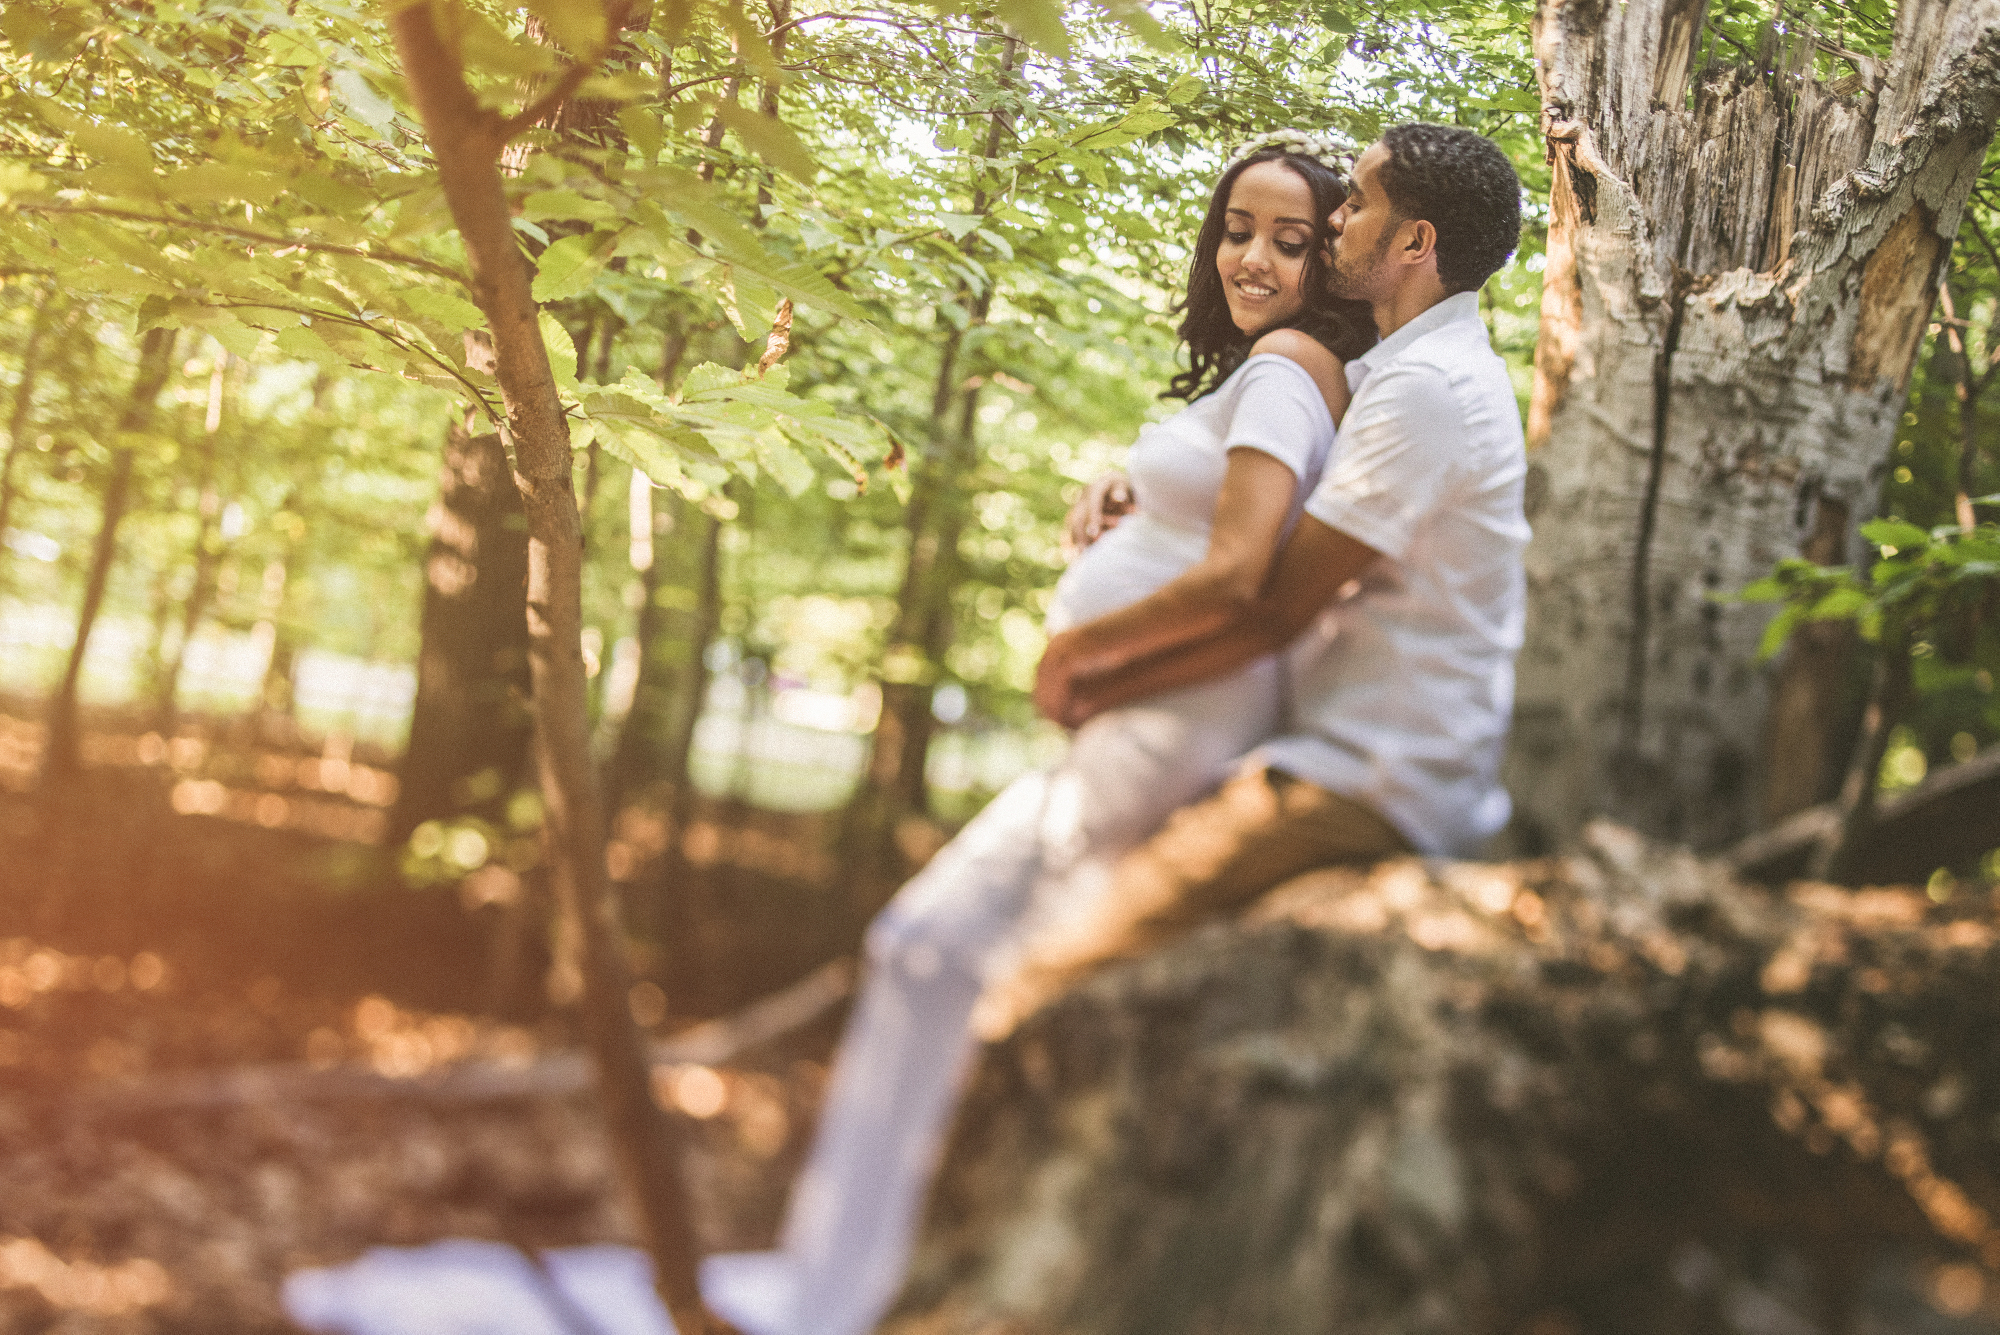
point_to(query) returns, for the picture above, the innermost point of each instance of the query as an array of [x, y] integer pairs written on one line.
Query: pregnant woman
[[1217, 487]]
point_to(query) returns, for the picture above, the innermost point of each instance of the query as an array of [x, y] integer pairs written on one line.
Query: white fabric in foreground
[[462, 1287]]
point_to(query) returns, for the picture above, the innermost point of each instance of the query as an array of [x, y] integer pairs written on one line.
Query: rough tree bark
[[1574, 1095], [1741, 262], [466, 142], [61, 759], [470, 731]]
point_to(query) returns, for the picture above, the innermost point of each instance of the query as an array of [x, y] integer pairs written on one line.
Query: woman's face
[[1266, 235]]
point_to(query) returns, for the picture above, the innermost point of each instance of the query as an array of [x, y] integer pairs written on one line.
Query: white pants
[[1041, 850]]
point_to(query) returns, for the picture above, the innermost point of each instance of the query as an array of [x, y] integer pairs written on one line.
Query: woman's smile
[[1262, 259]]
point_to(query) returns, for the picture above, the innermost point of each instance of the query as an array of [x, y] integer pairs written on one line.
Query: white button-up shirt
[[1402, 693]]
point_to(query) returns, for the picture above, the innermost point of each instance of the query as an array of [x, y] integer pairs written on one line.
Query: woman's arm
[[1250, 514], [1316, 565]]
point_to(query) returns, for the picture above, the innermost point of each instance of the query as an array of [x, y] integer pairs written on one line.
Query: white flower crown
[[1329, 147]]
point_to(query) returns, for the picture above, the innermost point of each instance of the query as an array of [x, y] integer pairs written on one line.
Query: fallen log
[[1597, 1093], [555, 1075], [1947, 820]]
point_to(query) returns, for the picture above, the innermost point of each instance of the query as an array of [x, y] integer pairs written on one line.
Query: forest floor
[[144, 944]]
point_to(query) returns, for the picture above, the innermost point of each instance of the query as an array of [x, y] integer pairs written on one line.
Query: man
[[1402, 585]]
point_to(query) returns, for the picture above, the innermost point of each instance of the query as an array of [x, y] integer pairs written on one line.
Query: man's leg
[[1262, 827]]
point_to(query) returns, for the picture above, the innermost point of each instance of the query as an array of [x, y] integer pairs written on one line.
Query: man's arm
[[1255, 499], [1316, 563]]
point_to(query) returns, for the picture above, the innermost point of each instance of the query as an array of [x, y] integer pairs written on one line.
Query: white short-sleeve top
[[1270, 404], [1403, 692]]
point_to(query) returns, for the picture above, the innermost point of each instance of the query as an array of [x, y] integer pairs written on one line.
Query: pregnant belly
[[1134, 559]]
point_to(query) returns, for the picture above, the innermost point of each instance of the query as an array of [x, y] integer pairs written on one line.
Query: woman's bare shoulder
[[1328, 371]]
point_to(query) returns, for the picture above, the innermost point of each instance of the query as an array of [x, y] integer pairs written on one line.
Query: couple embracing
[[1289, 642]]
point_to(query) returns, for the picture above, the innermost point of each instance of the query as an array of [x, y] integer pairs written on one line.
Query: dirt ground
[[153, 933]]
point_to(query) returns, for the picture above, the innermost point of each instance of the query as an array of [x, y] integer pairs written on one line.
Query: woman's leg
[[1048, 841], [855, 1208], [1127, 772]]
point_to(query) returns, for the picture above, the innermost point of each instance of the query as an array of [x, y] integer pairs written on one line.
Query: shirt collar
[[1457, 306]]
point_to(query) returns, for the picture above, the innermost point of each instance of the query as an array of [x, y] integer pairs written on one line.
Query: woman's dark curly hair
[[1216, 347]]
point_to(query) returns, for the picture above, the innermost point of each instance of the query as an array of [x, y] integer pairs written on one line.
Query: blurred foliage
[[252, 174]]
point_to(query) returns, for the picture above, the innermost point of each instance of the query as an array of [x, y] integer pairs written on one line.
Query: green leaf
[[1840, 604], [454, 313], [959, 225], [770, 139], [16, 180], [120, 147], [566, 204], [214, 182], [578, 24], [486, 47], [239, 339], [358, 99], [304, 344], [645, 129], [292, 48], [1780, 630], [1039, 21], [1185, 89], [691, 201], [562, 351], [568, 267], [998, 242], [625, 86], [1894, 533]]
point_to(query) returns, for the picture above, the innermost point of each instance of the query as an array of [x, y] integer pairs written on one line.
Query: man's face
[[1363, 227]]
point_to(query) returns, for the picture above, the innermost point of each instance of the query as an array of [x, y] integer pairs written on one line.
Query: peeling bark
[[1741, 262]]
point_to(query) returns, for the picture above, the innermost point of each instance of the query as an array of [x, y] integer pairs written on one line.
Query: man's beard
[[1351, 282]]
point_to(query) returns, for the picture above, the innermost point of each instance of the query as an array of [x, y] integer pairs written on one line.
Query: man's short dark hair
[[1462, 184]]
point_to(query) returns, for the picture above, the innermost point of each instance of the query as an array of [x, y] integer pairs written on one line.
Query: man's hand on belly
[[1096, 512]]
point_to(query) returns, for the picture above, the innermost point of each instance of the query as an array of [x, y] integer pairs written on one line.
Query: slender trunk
[[23, 410], [1737, 284], [676, 760], [61, 759], [892, 786], [470, 728], [207, 551], [466, 142], [1968, 386], [1861, 787], [1806, 723]]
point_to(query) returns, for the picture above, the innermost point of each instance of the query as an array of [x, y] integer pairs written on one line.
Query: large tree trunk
[[1594, 1094], [466, 142], [61, 758], [471, 729], [1737, 284]]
